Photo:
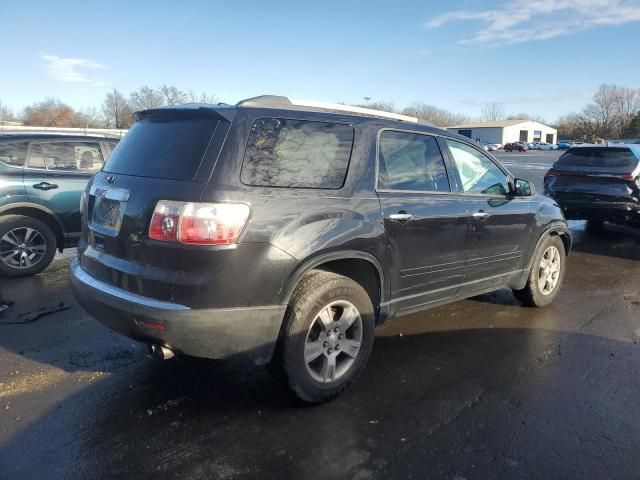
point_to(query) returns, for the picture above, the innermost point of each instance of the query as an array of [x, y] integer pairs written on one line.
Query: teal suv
[[42, 178]]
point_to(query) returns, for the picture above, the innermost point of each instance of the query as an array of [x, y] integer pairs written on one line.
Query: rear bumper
[[581, 207], [248, 334]]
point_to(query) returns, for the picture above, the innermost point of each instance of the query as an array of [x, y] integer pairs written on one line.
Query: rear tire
[[546, 274], [27, 246], [326, 338]]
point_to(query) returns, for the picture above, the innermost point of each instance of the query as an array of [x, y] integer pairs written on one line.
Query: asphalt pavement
[[483, 388]]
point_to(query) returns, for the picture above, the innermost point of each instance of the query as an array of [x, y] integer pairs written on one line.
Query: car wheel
[[546, 274], [27, 246], [326, 338]]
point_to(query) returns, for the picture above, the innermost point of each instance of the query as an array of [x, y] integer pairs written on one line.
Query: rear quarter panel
[[301, 224]]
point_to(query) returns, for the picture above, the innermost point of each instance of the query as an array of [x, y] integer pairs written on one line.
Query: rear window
[[615, 157], [13, 154], [161, 148], [297, 154]]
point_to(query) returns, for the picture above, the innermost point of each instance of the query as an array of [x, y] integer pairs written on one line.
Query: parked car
[[283, 231], [597, 183], [517, 147], [41, 180], [544, 146], [491, 147], [564, 144]]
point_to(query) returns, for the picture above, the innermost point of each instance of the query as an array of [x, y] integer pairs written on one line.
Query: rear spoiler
[[195, 110]]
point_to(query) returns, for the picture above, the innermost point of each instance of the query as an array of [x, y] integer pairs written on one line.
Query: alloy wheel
[[22, 248], [333, 341], [549, 270]]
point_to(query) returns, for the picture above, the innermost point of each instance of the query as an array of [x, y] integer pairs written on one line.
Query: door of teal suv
[[47, 175]]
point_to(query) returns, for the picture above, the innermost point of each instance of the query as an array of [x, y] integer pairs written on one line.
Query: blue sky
[[544, 57]]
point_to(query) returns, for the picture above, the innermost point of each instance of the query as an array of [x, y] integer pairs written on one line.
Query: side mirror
[[522, 188]]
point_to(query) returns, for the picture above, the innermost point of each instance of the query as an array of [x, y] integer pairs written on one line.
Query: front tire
[[327, 336], [546, 274], [27, 246]]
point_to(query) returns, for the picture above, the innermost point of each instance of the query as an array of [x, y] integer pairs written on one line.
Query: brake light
[[198, 223], [626, 176]]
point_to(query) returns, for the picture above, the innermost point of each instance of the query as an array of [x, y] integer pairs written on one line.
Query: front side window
[[13, 154], [409, 161], [478, 173], [72, 156], [297, 154]]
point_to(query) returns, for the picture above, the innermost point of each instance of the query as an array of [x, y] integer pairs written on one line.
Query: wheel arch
[[361, 267], [558, 230], [41, 213]]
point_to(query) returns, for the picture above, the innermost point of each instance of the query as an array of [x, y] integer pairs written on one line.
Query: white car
[[491, 147], [545, 146]]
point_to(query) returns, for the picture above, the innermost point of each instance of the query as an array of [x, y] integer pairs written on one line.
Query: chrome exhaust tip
[[161, 352]]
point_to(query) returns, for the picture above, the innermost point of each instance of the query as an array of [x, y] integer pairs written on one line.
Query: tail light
[[626, 176], [198, 223]]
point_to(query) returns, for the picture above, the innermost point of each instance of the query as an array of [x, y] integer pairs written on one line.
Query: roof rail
[[273, 101]]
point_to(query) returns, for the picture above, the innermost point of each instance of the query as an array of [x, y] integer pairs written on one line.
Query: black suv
[[284, 231], [42, 177], [597, 183]]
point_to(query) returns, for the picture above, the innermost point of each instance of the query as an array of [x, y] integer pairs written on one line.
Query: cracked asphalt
[[483, 388]]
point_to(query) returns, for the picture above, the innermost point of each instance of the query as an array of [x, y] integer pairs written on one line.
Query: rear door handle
[[480, 215], [45, 186], [401, 217]]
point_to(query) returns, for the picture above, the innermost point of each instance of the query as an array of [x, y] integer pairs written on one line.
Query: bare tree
[[88, 118], [627, 107], [145, 98], [492, 111], [525, 116], [201, 98], [571, 126], [380, 105], [49, 113], [602, 115], [172, 95], [6, 114], [435, 115], [116, 110]]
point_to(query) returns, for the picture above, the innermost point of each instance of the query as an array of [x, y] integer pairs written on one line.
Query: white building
[[507, 131]]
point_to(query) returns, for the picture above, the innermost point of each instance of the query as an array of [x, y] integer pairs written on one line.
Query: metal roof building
[[507, 131]]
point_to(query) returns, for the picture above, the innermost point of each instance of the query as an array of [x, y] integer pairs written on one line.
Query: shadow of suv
[[42, 177], [283, 231]]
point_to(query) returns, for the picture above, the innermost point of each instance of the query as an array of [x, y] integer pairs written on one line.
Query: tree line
[[614, 111], [115, 111]]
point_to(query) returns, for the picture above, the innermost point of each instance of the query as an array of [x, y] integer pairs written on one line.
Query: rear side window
[[13, 154], [615, 157], [163, 148], [72, 156], [297, 154], [409, 161]]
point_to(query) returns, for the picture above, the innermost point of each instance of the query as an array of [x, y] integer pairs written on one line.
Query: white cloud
[[70, 69], [518, 21]]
